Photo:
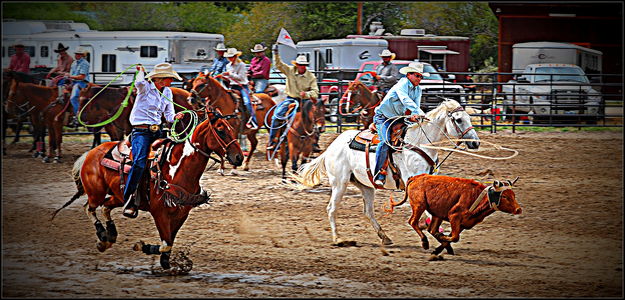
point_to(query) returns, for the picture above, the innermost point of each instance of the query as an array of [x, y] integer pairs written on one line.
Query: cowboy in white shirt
[[154, 99]]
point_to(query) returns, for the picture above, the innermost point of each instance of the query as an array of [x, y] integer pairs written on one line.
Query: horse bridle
[[220, 141], [462, 133]]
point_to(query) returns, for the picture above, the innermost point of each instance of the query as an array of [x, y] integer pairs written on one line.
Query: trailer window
[[149, 51], [27, 49], [328, 56], [433, 59], [108, 62], [44, 51]]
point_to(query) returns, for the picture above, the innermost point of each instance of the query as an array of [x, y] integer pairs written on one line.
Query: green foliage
[[471, 19], [42, 11]]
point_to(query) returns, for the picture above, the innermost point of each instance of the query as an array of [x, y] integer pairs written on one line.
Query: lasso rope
[[495, 146], [121, 108], [173, 135]]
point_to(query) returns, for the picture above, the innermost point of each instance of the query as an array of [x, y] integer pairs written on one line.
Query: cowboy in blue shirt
[[220, 62], [79, 75], [402, 97]]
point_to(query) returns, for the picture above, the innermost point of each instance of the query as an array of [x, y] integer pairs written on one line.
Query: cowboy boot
[[130, 208]]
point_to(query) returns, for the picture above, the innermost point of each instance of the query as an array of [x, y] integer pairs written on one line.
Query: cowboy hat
[[258, 48], [163, 70], [220, 47], [81, 50], [300, 60], [414, 67], [387, 53], [232, 52], [60, 48]]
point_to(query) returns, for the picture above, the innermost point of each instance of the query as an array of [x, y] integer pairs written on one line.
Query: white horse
[[342, 164]]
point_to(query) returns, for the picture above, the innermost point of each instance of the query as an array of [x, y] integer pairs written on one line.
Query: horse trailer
[[113, 51], [341, 55], [524, 54]]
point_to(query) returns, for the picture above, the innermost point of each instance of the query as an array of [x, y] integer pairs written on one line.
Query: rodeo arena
[[508, 184]]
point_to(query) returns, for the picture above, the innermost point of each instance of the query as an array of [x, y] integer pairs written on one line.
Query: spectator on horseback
[[301, 84], [235, 72], [387, 74], [79, 77], [220, 62], [259, 68], [20, 61], [404, 98], [63, 62], [153, 100]]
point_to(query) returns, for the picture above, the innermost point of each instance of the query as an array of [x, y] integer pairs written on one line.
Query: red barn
[[451, 53]]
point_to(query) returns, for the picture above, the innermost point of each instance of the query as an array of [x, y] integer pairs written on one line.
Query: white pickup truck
[[557, 89]]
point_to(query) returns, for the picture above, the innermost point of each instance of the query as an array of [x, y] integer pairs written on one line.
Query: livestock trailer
[[114, 51]]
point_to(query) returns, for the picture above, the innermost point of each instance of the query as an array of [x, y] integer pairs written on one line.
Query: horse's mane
[[442, 109]]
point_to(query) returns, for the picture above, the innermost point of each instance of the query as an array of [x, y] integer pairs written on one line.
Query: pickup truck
[[552, 89], [433, 86]]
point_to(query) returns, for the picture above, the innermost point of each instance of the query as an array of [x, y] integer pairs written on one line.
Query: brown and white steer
[[462, 202]]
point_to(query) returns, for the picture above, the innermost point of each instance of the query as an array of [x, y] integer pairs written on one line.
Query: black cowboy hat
[[60, 48]]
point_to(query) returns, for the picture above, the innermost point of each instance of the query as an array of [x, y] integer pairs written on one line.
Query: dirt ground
[[262, 238]]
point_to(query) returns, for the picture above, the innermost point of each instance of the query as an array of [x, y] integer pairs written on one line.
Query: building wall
[[593, 25]]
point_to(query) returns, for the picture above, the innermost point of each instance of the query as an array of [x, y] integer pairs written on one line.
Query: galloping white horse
[[342, 164]]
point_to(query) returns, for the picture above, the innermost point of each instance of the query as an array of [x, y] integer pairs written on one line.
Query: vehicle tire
[[333, 109]]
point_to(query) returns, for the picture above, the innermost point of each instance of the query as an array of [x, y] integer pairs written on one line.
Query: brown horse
[[45, 112], [359, 98], [109, 101], [177, 189], [7, 78], [302, 133], [211, 92]]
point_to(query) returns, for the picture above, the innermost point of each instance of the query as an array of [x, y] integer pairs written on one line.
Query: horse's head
[[220, 137], [319, 115], [197, 85], [457, 122], [15, 105]]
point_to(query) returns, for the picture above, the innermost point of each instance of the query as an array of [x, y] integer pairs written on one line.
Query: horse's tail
[[76, 175], [309, 174]]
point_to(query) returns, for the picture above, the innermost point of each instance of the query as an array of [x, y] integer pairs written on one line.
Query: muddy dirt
[[262, 238]]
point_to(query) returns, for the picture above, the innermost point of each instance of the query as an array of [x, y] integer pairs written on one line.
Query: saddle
[[367, 140]]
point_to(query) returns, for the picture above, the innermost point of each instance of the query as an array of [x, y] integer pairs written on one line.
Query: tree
[[472, 19]]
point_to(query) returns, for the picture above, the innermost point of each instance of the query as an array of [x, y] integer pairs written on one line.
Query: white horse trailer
[[344, 55], [113, 51], [524, 54]]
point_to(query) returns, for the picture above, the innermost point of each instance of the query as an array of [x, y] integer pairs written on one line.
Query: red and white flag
[[285, 38]]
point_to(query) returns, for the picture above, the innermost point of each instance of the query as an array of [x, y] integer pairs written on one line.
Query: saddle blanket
[[111, 163]]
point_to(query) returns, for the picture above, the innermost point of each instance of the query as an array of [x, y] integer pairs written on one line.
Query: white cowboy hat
[[300, 60], [232, 52], [258, 48], [220, 47], [414, 67], [387, 53], [81, 50], [163, 70]]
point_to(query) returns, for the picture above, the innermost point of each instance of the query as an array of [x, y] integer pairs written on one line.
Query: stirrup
[[131, 212]]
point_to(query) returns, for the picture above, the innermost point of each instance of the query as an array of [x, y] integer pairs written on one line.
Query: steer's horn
[[514, 181]]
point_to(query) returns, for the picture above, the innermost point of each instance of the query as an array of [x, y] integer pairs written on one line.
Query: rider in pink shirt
[[20, 61]]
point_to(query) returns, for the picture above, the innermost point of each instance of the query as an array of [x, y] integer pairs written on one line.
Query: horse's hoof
[[426, 245], [102, 246], [46, 159], [220, 172], [386, 241], [165, 260], [57, 160], [35, 154], [138, 246]]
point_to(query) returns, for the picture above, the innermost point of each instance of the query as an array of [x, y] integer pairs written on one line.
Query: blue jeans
[[260, 84], [75, 95], [279, 111], [141, 140], [381, 153], [245, 93]]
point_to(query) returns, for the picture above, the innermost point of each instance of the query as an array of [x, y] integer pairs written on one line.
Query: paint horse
[[208, 91], [343, 162], [173, 191]]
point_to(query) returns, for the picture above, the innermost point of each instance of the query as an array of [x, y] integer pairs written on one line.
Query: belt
[[152, 128]]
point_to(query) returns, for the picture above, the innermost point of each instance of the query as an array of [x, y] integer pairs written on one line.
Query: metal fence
[[493, 104]]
